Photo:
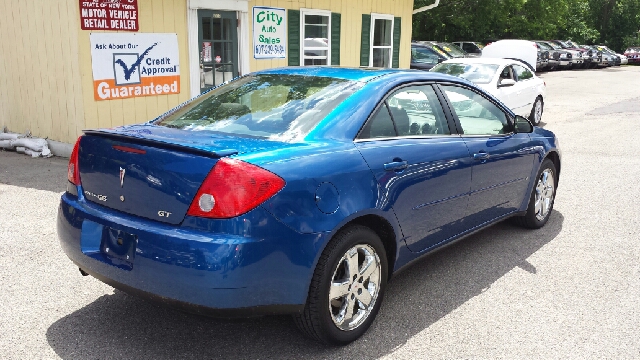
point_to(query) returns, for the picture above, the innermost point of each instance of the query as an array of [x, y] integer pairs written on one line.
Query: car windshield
[[476, 73], [572, 44], [544, 46], [278, 107], [423, 55], [479, 45], [554, 46], [633, 50], [453, 50]]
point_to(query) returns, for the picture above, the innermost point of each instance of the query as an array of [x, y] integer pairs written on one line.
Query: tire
[[534, 117], [536, 217], [325, 320]]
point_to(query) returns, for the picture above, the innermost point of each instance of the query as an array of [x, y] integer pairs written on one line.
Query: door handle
[[481, 156], [396, 166]]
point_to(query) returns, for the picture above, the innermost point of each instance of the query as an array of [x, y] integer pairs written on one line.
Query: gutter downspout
[[425, 8]]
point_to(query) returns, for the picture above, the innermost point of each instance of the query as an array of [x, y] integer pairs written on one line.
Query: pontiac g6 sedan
[[300, 191]]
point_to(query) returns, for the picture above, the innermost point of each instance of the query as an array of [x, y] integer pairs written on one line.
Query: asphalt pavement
[[569, 290]]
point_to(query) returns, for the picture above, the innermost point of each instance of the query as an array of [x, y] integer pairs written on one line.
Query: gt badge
[[122, 171]]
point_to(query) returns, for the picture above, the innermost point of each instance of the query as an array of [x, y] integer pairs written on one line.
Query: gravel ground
[[569, 290]]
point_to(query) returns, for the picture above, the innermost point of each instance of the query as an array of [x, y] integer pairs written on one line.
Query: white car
[[510, 81], [623, 59]]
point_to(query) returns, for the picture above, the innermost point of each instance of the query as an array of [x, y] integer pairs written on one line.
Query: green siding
[[397, 25], [293, 37], [335, 38], [365, 43]]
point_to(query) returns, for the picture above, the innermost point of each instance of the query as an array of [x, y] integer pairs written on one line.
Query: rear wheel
[[536, 111], [542, 197], [347, 287]]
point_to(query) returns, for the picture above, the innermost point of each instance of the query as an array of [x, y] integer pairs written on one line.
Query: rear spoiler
[[161, 144]]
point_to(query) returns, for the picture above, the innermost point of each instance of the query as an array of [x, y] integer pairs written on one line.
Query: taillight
[[73, 172], [232, 188]]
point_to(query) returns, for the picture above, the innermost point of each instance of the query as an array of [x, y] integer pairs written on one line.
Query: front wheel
[[542, 197], [347, 287], [536, 111]]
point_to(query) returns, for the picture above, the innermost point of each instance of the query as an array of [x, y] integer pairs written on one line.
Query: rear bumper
[[250, 265]]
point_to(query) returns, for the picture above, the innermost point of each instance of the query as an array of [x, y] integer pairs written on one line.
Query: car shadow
[[123, 326], [48, 174]]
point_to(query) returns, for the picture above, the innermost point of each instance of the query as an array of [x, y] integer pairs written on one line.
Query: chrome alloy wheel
[[355, 285], [545, 189], [537, 113]]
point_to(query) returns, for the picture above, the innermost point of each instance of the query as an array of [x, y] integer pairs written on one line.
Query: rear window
[[277, 107], [476, 73]]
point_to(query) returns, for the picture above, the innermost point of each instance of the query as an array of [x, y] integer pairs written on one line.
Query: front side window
[[381, 40], [477, 115], [275, 107], [522, 73], [316, 37]]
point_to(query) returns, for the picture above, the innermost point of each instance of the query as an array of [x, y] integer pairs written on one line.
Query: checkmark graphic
[[128, 71]]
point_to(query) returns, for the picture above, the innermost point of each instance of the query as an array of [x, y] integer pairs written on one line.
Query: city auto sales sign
[[127, 65]]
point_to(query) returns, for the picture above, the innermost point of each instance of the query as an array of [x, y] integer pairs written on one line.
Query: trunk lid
[[153, 172]]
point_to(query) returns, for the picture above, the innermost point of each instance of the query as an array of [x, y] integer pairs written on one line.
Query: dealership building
[[69, 65]]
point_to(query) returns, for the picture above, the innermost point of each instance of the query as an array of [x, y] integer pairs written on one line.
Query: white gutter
[[425, 8]]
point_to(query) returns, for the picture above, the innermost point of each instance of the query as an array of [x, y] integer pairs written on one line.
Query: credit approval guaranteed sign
[[127, 65]]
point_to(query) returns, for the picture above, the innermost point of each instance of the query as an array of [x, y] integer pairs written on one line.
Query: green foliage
[[611, 22]]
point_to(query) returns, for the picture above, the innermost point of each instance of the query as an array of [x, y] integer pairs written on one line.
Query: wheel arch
[[385, 231], [555, 158], [381, 226]]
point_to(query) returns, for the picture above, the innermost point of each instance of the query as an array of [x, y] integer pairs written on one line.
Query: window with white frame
[[381, 40], [315, 28]]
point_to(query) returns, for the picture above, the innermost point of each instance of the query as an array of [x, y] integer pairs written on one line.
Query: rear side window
[[417, 111], [277, 107], [522, 73], [379, 126]]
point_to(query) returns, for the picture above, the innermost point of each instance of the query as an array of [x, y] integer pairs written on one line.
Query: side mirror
[[522, 125], [506, 82]]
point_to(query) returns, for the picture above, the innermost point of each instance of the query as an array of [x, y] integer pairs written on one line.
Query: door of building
[[218, 40]]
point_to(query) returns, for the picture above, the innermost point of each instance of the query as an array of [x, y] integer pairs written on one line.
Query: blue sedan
[[300, 191]]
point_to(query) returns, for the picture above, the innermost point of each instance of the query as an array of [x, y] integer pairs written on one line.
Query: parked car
[[576, 53], [614, 59], [471, 47], [424, 56], [302, 191], [595, 54], [553, 57], [633, 55], [564, 57], [584, 52], [508, 80], [620, 58], [542, 60]]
